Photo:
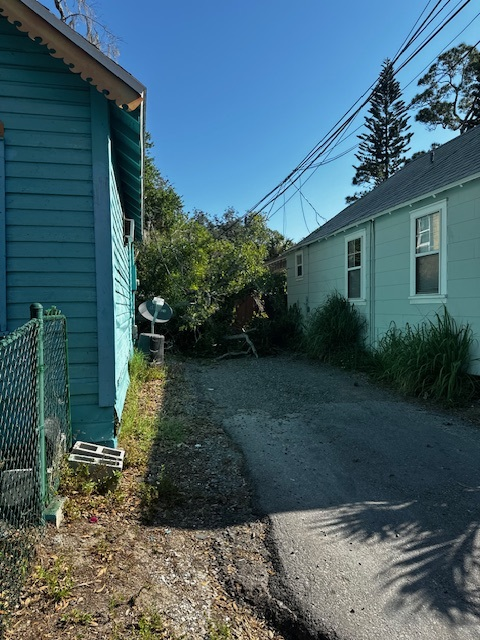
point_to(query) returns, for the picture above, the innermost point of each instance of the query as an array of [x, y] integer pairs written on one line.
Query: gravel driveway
[[373, 501]]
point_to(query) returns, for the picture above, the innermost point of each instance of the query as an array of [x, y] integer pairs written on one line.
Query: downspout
[[371, 306], [308, 281]]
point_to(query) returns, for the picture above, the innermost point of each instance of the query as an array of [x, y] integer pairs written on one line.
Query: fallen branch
[[240, 337]]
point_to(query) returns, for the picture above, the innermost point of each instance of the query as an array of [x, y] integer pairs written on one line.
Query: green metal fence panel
[[57, 426], [35, 433]]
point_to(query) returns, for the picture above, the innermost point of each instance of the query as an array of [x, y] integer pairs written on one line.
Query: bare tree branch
[[81, 17]]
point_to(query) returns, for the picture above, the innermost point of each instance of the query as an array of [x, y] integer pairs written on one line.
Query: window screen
[[427, 254], [354, 256], [299, 265]]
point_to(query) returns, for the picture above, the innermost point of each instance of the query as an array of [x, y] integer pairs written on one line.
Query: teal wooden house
[[405, 250], [71, 159]]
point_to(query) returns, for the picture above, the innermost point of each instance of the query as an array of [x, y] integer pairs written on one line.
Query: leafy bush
[[280, 330], [429, 360], [279, 327], [335, 332]]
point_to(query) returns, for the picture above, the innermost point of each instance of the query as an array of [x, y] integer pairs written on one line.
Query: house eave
[[83, 58], [391, 210]]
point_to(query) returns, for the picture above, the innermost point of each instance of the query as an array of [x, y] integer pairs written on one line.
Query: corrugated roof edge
[[455, 161]]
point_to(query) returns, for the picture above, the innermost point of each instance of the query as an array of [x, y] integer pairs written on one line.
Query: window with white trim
[[355, 265], [299, 265], [427, 251]]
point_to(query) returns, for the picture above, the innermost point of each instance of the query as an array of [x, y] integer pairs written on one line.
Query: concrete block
[[93, 450], [99, 469], [18, 487]]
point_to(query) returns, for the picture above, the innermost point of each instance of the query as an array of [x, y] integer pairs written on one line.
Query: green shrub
[[429, 360], [335, 332], [281, 329]]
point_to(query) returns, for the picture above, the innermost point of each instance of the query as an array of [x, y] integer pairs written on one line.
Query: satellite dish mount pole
[[158, 303]]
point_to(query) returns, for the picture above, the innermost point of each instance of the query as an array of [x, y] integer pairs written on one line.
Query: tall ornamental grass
[[430, 360], [335, 332]]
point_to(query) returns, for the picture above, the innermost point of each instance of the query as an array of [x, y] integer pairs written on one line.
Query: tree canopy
[[201, 264], [451, 97], [383, 146], [162, 205]]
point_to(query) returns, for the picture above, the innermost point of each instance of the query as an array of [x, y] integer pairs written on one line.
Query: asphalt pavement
[[373, 500]]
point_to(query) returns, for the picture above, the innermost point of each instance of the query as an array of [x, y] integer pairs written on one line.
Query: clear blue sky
[[239, 91]]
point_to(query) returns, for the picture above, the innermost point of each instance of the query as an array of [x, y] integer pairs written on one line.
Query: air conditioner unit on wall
[[129, 229]]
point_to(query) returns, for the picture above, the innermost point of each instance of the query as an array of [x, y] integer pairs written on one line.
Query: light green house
[[71, 163], [406, 249]]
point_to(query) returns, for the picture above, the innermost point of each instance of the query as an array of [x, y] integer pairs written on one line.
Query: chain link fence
[[34, 434]]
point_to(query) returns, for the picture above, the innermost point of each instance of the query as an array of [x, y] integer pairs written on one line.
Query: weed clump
[[429, 360], [335, 332]]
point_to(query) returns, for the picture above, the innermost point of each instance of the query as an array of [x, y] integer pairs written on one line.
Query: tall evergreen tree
[[382, 148]]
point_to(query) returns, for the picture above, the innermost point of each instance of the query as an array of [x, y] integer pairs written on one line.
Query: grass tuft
[[429, 360], [335, 332]]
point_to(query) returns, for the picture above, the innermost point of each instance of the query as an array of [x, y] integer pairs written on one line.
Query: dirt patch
[[188, 561], [191, 561]]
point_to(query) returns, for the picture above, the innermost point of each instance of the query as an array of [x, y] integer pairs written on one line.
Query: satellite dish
[[155, 311]]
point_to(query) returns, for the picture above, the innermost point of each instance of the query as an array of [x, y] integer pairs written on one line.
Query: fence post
[[37, 312]]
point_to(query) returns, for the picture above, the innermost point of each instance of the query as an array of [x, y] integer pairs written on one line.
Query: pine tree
[[451, 97], [382, 148]]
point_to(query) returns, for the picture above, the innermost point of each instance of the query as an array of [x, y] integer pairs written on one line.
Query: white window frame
[[298, 277], [360, 234], [439, 207]]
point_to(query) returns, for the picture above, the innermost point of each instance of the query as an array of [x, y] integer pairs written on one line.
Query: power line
[[432, 36], [330, 140], [342, 125], [412, 29], [444, 49]]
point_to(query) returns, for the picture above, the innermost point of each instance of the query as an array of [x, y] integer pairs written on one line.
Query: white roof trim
[[390, 210]]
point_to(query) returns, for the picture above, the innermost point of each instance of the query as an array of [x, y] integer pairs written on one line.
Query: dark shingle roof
[[454, 161]]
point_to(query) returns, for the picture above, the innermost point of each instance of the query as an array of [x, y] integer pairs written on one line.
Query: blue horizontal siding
[[51, 219], [55, 125], [46, 111], [44, 279], [44, 234], [52, 140], [31, 93], [61, 171], [50, 202], [123, 300], [52, 156], [49, 294], [50, 187], [52, 264], [60, 249]]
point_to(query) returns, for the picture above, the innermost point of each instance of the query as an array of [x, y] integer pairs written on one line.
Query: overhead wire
[[402, 48], [431, 37], [426, 22], [330, 140], [444, 49], [303, 211], [415, 24], [341, 125], [370, 89]]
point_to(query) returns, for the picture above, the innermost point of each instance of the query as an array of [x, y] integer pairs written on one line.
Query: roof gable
[[83, 58], [123, 94], [454, 161]]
